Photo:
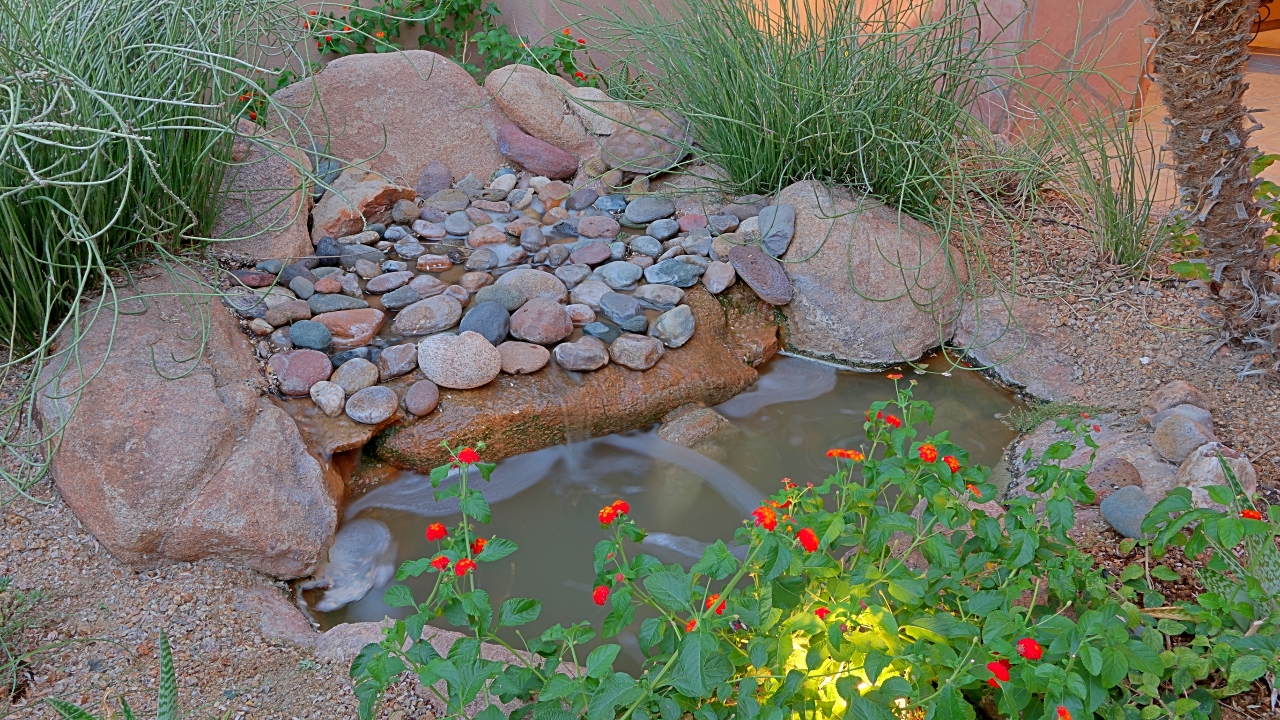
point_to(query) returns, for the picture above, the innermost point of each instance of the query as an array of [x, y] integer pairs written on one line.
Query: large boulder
[[406, 108], [263, 208], [523, 413], [1019, 340], [540, 104], [169, 457], [871, 285]]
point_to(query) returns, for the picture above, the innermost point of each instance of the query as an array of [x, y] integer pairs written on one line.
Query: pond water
[[546, 501]]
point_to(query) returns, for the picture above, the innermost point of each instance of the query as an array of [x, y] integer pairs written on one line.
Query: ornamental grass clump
[[117, 119], [892, 589]]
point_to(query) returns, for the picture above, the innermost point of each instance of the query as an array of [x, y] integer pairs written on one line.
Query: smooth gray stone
[[698, 242], [777, 226], [510, 297], [581, 199], [659, 297], [392, 266], [557, 255], [611, 203], [352, 253], [571, 275], [458, 224], [648, 208], [302, 287], [664, 229], [619, 274], [328, 250], [673, 272], [646, 245], [270, 266], [1125, 509], [331, 303], [620, 308], [482, 259], [400, 298], [489, 319], [606, 332], [310, 335], [532, 239], [674, 327], [339, 358]]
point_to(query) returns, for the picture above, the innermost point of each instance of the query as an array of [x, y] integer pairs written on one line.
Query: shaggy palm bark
[[1201, 50]]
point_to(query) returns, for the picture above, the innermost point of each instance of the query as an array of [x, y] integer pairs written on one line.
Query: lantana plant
[[892, 589]]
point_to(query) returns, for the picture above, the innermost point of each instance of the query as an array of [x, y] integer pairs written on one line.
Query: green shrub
[[886, 588]]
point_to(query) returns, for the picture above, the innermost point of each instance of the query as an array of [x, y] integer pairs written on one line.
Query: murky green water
[[547, 501]]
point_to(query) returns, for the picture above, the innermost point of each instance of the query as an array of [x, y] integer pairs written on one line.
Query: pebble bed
[[475, 280]]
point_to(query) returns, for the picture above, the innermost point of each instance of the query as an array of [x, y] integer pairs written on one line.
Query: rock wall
[[170, 452]]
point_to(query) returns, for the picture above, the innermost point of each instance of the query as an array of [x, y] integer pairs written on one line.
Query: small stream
[[546, 501]]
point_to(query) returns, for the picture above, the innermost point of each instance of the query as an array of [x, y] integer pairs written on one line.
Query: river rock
[[329, 397], [263, 200], [581, 199], [352, 328], [663, 229], [389, 281], [620, 274], [610, 203], [374, 105], [526, 412], [397, 360], [1202, 469], [592, 253], [1170, 395], [621, 309], [486, 235], [311, 335], [539, 104], [646, 245], [422, 398], [401, 298], [508, 296], [458, 223], [762, 273], [584, 355], [489, 319], [522, 358], [252, 278], [195, 438], [542, 321], [353, 254], [434, 178], [572, 274], [302, 287], [474, 280], [777, 226], [427, 286], [372, 405], [321, 304], [646, 140], [598, 226], [428, 316], [673, 272], [1196, 414], [355, 375], [644, 210], [718, 277], [606, 332], [580, 315], [659, 297], [637, 352], [535, 155], [532, 239], [461, 362], [674, 327], [534, 284], [356, 197], [298, 370], [459, 293], [1178, 435], [1125, 509], [409, 249], [827, 318], [589, 293]]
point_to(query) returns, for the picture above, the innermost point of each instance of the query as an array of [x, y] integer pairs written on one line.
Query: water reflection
[[546, 501]]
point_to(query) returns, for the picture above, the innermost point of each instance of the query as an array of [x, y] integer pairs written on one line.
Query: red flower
[[786, 483], [328, 38], [253, 115], [621, 507], [464, 566], [600, 594], [952, 463], [580, 75], [379, 34], [619, 577], [477, 547], [894, 376], [346, 28], [312, 12], [1084, 415], [853, 455], [436, 531], [582, 41], [1029, 648], [1063, 713], [974, 489], [712, 601], [808, 540], [440, 563], [1000, 670], [689, 626], [567, 31], [891, 420], [1096, 428], [928, 453], [607, 515], [1251, 514], [319, 45], [766, 518], [467, 456], [822, 613]]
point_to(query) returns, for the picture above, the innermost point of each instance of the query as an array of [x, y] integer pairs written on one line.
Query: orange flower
[[607, 515], [567, 31], [974, 489], [890, 419], [689, 626], [894, 376], [379, 34], [313, 12], [808, 539], [711, 600], [928, 453], [952, 463], [464, 566], [1063, 713], [621, 507], [1251, 514], [853, 455], [766, 518], [346, 28]]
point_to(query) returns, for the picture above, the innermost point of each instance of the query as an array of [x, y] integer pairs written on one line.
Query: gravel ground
[[99, 621]]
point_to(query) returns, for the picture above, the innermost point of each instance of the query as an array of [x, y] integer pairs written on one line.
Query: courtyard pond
[[685, 497]]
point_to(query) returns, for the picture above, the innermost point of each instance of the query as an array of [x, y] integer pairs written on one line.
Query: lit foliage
[[884, 588]]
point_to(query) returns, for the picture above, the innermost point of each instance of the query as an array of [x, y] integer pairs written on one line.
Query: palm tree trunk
[[1201, 49]]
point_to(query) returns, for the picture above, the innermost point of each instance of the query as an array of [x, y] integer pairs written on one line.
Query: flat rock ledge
[[168, 457], [522, 413]]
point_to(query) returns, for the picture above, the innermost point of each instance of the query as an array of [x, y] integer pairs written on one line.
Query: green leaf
[[717, 562], [700, 666], [1163, 572], [492, 712], [475, 506], [1230, 532], [399, 596], [496, 549], [557, 686], [167, 707], [69, 711], [1091, 658], [1246, 669], [617, 689], [985, 602], [670, 589], [518, 611], [1114, 668], [1191, 269], [875, 664], [950, 705], [412, 568], [600, 661], [1127, 545], [439, 474], [651, 631], [1131, 572]]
